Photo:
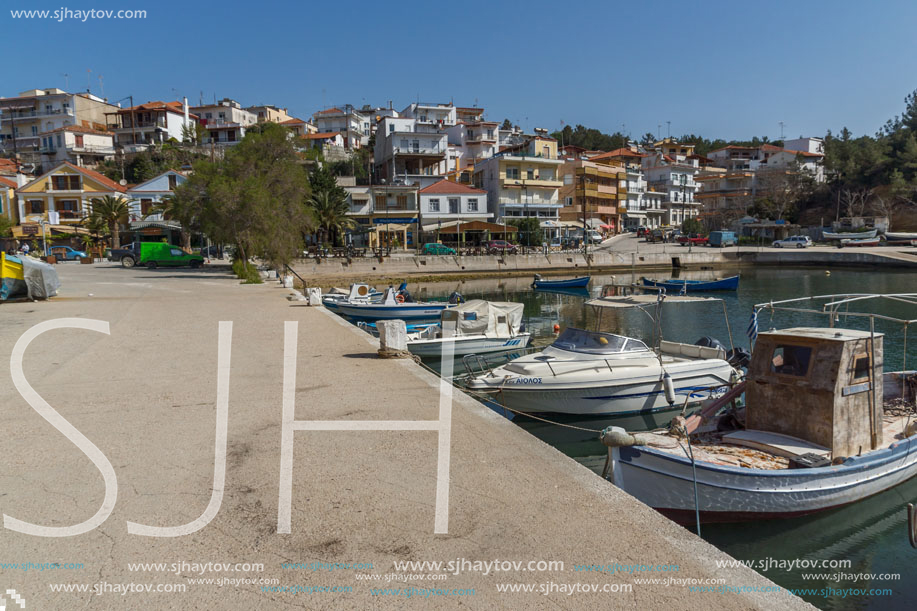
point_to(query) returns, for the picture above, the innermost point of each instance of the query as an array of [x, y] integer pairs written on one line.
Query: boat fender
[[669, 387], [616, 437], [399, 298]]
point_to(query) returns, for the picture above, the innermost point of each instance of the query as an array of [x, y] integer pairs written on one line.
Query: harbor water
[[871, 534]]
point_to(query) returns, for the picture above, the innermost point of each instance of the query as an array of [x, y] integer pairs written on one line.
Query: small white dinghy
[[475, 327]]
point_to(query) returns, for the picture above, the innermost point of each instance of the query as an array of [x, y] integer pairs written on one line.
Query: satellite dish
[[122, 182]]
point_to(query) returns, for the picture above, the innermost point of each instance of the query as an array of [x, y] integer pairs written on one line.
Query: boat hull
[[12, 277], [727, 494], [693, 286], [900, 237], [692, 381], [403, 311], [572, 283], [477, 344], [861, 235]]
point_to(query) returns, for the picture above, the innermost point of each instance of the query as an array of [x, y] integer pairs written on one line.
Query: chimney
[[185, 105]]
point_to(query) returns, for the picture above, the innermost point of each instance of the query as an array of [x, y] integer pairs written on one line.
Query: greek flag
[[752, 331]]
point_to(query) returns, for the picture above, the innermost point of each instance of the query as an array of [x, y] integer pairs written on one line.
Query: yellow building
[[8, 200], [67, 190], [600, 186]]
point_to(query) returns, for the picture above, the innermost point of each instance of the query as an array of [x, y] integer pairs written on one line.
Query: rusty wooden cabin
[[820, 385]]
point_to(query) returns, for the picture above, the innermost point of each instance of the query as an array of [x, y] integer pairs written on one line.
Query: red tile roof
[[329, 111], [447, 186], [8, 183], [320, 135], [621, 152], [79, 129], [293, 121]]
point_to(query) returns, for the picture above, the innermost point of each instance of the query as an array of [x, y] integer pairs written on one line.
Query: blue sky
[[721, 69]]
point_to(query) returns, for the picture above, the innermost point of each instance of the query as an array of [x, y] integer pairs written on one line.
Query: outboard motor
[[456, 298], [739, 358], [710, 342]]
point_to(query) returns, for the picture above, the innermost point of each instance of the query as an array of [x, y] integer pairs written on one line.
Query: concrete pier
[[145, 395]]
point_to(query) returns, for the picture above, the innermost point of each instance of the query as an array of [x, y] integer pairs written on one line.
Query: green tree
[[507, 124], [252, 198], [112, 211], [322, 179], [530, 233], [590, 138], [6, 226], [692, 225]]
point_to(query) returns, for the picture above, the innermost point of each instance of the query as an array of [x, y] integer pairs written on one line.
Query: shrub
[[247, 273]]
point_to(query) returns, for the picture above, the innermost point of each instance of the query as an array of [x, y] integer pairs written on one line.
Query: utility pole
[[668, 129], [133, 128], [585, 236]]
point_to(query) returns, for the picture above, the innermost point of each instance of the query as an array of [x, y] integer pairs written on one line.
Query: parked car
[[500, 247], [642, 231], [660, 235], [594, 237], [117, 255], [434, 248], [722, 238], [154, 254], [796, 241], [693, 239], [66, 253]]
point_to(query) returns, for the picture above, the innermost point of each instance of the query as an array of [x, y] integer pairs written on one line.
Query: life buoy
[[399, 298]]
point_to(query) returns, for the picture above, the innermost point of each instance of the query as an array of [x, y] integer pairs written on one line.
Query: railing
[[418, 150], [36, 113]]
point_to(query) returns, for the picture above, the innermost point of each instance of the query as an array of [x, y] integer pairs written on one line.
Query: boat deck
[[709, 447]]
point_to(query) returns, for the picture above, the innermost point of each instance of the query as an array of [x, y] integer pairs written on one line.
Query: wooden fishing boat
[[12, 279], [858, 235], [570, 283]]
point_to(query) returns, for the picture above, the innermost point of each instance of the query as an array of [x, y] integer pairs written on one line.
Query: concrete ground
[[145, 395]]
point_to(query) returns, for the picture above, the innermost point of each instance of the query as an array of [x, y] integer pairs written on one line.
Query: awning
[[175, 225], [390, 227], [18, 232], [607, 226]]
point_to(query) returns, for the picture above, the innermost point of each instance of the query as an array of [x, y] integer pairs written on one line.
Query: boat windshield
[[577, 340]]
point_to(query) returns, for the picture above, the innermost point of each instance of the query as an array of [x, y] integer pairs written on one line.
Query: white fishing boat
[[474, 327], [393, 304], [866, 234], [903, 237], [594, 373], [358, 293], [822, 427]]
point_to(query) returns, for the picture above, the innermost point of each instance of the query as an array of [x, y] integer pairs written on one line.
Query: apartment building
[[446, 202], [472, 139], [524, 181], [353, 126], [224, 122], [593, 190], [670, 168], [269, 114], [82, 146], [24, 118], [409, 149], [136, 128], [149, 194]]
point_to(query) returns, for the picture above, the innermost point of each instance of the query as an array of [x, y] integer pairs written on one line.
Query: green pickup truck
[[154, 254]]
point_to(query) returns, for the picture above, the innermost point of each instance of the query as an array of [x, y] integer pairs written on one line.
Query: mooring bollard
[[393, 339]]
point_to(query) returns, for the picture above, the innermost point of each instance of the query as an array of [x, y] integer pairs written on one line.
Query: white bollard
[[287, 282], [393, 335], [315, 296]]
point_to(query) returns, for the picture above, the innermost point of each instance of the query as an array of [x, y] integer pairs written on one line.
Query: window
[[546, 151], [568, 179], [470, 134], [530, 173], [391, 128], [490, 134], [209, 115], [36, 206], [65, 183], [175, 252], [512, 173], [404, 143], [403, 202], [34, 130], [78, 138], [416, 146], [60, 141], [66, 205], [791, 360], [473, 204], [434, 204], [145, 205], [861, 367], [173, 182], [454, 205]]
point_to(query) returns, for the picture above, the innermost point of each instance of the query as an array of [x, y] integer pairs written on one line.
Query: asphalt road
[[145, 395]]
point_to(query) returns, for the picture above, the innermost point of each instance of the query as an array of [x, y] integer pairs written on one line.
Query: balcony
[[419, 151], [549, 183], [8, 117]]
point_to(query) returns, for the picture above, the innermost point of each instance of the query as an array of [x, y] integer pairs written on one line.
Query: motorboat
[[590, 372], [867, 234], [474, 327], [570, 283], [394, 304], [358, 293], [902, 237], [12, 280], [822, 426], [677, 285], [863, 242]]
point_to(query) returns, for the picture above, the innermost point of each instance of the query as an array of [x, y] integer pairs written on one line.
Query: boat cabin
[[821, 385]]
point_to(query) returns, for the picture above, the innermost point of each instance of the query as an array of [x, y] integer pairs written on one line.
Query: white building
[[152, 192], [81, 146], [408, 149], [225, 122], [353, 126], [138, 127], [445, 201], [472, 141], [670, 169], [644, 207]]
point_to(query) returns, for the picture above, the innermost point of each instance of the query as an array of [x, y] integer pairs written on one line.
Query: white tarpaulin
[[40, 279], [491, 318]]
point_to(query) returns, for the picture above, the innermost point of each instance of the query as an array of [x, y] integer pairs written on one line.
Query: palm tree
[[112, 211], [330, 212]]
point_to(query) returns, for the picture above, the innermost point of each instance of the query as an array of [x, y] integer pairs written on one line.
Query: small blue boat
[[572, 283], [674, 285]]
